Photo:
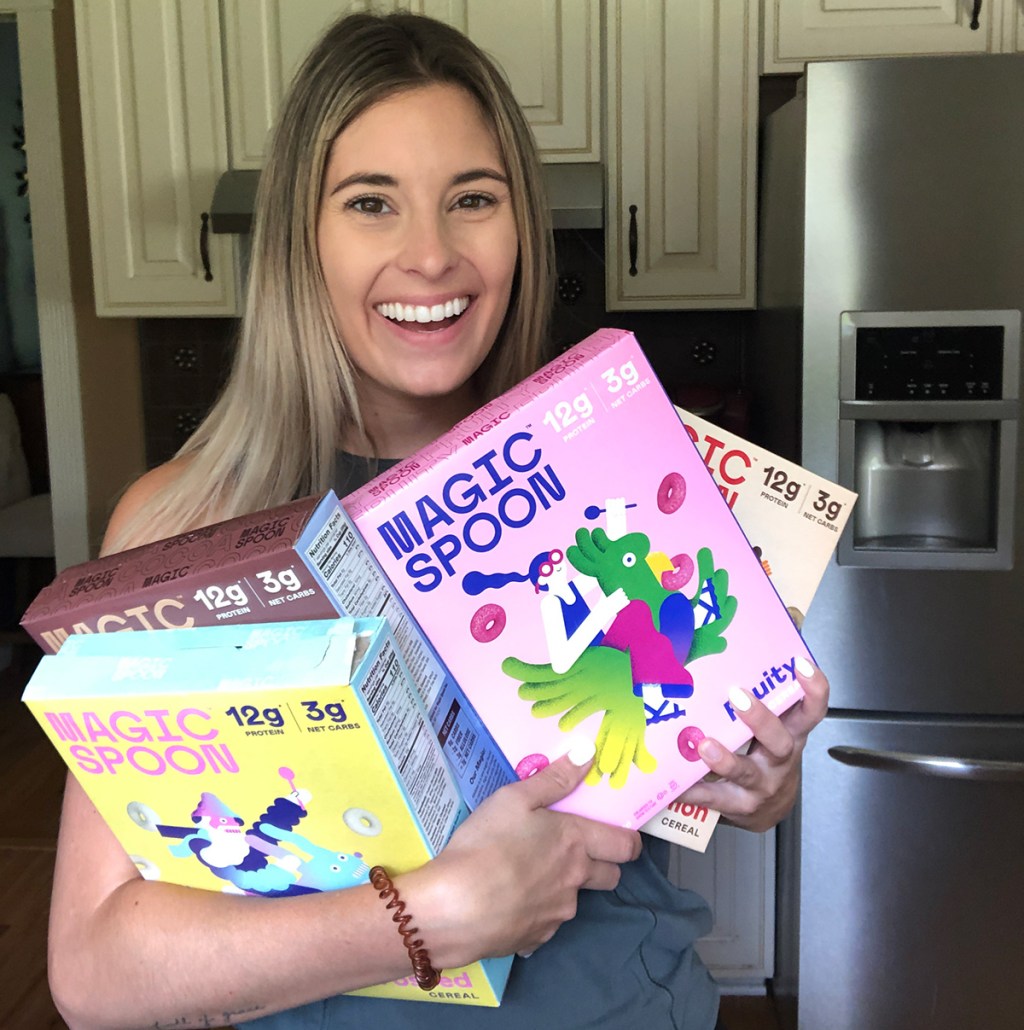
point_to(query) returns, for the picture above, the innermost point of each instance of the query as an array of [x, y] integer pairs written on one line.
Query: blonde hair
[[273, 433]]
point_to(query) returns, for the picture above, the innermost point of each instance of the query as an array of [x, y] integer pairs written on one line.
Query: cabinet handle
[[945, 766], [975, 15], [204, 246], [633, 243]]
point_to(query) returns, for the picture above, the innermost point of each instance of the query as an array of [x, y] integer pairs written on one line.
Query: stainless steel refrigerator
[[888, 358]]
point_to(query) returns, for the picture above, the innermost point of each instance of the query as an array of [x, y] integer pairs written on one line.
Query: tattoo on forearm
[[222, 1021]]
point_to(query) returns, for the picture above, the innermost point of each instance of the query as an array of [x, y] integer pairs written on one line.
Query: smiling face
[[417, 241]]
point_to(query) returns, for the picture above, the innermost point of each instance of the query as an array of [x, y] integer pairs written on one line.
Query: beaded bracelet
[[426, 975]]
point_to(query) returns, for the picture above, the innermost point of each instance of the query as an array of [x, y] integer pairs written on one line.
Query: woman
[[401, 275]]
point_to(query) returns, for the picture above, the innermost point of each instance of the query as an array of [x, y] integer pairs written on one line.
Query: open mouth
[[424, 317]]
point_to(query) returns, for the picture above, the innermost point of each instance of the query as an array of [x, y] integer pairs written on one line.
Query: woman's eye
[[474, 201], [368, 205]]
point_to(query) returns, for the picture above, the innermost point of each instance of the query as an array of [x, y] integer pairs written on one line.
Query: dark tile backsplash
[[184, 363], [698, 355]]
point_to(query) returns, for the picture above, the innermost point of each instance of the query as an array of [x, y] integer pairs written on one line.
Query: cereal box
[[792, 516], [273, 760], [295, 562], [793, 519], [579, 572]]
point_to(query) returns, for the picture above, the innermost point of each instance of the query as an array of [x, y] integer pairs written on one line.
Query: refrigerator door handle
[[982, 769]]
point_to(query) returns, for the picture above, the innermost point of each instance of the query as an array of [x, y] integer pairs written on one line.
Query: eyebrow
[[383, 181]]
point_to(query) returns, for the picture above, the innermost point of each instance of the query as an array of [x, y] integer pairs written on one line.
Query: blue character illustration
[[267, 859], [322, 869]]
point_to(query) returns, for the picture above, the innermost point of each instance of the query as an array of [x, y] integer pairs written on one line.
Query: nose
[[428, 247]]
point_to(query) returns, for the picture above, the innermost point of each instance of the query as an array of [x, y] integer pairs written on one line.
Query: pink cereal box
[[579, 572]]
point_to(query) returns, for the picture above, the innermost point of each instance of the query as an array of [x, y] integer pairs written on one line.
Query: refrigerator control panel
[[896, 363]]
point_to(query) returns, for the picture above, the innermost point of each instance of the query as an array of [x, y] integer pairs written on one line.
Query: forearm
[[161, 955], [149, 953], [125, 952]]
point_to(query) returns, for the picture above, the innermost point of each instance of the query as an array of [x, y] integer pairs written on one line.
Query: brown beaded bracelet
[[426, 975]]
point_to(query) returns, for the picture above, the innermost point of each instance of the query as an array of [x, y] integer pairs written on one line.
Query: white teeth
[[421, 313]]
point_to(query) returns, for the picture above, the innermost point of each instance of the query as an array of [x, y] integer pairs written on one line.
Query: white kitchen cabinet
[[155, 139], [549, 49], [797, 31], [681, 99], [736, 876], [1013, 26]]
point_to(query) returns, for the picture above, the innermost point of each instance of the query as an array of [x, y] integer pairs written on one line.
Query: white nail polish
[[581, 751], [739, 699], [803, 666]]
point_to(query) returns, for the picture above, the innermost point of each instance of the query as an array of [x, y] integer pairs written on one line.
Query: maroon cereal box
[[272, 566]]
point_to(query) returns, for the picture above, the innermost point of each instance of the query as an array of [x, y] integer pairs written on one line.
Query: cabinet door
[[736, 876], [155, 143], [681, 95], [551, 52], [1013, 26], [549, 49], [797, 31]]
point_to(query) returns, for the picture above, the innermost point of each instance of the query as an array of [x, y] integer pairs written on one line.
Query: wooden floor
[[32, 776]]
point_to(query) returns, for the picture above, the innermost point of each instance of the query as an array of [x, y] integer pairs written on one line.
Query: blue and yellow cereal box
[[272, 760]]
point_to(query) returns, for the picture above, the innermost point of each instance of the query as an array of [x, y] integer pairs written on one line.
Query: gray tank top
[[626, 960]]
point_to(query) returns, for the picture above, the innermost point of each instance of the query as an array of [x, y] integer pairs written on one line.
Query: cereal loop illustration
[[531, 764], [688, 739], [148, 869], [671, 493], [487, 623], [143, 816], [360, 821], [680, 574]]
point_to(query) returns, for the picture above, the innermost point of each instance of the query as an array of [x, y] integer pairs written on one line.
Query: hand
[[511, 873], [756, 790]]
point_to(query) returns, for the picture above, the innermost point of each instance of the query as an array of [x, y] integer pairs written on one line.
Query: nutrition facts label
[[352, 576], [410, 744]]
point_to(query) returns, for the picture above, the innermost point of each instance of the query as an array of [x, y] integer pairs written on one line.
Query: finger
[[607, 844], [559, 778], [768, 729], [806, 714], [726, 765], [604, 876], [708, 794]]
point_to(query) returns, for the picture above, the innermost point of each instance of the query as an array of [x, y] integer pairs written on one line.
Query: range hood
[[575, 193]]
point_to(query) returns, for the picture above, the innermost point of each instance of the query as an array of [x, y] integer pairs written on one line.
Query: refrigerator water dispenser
[[928, 412]]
